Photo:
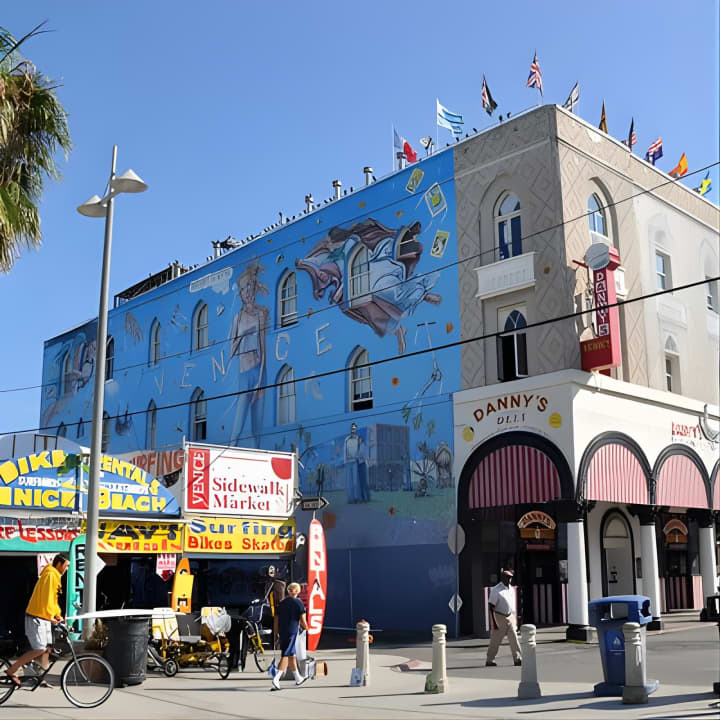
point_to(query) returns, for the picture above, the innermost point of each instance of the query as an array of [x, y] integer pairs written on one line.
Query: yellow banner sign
[[119, 536], [225, 535]]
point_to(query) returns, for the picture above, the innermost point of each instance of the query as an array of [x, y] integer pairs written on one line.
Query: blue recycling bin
[[608, 615]]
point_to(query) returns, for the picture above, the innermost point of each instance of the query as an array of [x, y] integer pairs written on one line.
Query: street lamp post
[[128, 182]]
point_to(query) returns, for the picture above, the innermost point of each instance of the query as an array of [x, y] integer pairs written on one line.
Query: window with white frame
[[151, 426], [286, 396], [361, 393], [109, 358], [154, 342], [287, 300], [508, 229], [360, 275], [712, 294], [105, 433], [200, 327], [672, 365], [512, 347], [662, 270], [596, 216], [198, 416]]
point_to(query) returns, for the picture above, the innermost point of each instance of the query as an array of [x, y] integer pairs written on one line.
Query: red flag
[[404, 146]]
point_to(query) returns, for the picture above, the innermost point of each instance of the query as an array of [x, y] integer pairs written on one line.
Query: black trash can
[[126, 650]]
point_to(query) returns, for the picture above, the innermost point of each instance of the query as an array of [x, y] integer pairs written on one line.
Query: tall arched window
[[198, 416], [109, 358], [359, 276], [512, 348], [105, 433], [596, 216], [200, 327], [151, 426], [66, 377], [286, 396], [508, 226], [154, 342], [361, 393], [672, 365], [287, 300]]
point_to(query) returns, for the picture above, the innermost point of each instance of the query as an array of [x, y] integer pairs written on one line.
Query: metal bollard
[[635, 690], [528, 687], [436, 681], [360, 674]]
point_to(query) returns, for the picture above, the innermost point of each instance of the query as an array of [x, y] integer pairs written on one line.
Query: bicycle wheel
[[223, 665], [87, 681], [7, 686]]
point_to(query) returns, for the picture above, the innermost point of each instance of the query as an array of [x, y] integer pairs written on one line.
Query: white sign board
[[165, 564], [235, 481]]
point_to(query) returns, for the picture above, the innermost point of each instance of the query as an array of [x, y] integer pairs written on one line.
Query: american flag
[[632, 136], [487, 99], [535, 77], [654, 151]]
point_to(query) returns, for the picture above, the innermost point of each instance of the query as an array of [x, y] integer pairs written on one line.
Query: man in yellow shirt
[[40, 615]]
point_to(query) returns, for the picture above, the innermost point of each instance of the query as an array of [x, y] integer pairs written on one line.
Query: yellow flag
[[681, 168], [603, 120]]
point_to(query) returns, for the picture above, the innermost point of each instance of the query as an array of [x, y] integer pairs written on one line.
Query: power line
[[307, 315], [405, 356]]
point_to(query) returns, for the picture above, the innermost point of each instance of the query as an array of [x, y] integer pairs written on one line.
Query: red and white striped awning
[[616, 475], [680, 484], [513, 475]]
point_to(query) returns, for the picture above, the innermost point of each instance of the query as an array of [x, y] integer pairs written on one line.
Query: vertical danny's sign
[[317, 583]]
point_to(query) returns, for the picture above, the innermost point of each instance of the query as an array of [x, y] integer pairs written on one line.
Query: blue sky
[[233, 111]]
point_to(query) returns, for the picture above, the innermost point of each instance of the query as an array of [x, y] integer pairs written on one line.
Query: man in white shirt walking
[[503, 619]]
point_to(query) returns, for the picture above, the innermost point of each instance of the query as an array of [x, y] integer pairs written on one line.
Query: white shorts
[[38, 631]]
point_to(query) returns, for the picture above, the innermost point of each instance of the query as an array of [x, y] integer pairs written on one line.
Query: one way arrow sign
[[313, 503]]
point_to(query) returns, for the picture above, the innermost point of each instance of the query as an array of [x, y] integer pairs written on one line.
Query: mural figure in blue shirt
[[356, 481], [247, 342]]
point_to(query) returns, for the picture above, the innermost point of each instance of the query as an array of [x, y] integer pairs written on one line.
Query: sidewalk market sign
[[57, 481], [238, 536]]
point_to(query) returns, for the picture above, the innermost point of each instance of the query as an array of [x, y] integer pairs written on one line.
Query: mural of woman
[[247, 341]]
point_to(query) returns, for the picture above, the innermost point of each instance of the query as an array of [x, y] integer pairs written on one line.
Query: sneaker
[[299, 682], [273, 688], [518, 662], [45, 684], [490, 663]]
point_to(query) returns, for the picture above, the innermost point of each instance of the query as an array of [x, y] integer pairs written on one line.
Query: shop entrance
[[679, 581], [618, 567]]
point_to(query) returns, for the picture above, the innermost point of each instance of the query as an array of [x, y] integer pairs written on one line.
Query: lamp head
[[128, 182], [93, 207]]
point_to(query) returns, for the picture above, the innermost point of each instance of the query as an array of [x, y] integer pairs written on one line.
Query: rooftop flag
[[705, 184], [573, 98], [654, 152], [632, 137], [487, 99], [448, 119], [401, 144], [603, 120], [535, 77], [681, 168]]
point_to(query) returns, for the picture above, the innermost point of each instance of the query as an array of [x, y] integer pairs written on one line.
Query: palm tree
[[33, 125]]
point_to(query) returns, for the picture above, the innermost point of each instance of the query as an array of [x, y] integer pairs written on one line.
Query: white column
[[529, 686], [360, 674], [437, 681], [577, 577], [650, 568], [634, 691], [706, 542]]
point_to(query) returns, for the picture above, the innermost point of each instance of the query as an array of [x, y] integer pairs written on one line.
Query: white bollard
[[360, 674], [635, 690], [436, 681], [529, 687]]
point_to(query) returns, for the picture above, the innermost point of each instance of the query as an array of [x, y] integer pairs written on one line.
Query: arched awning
[[680, 484], [615, 474]]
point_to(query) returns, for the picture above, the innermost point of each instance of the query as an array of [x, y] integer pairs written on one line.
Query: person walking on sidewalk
[[503, 620], [41, 614], [290, 620]]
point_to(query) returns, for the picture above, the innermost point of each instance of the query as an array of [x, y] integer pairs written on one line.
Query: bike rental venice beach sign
[[57, 481]]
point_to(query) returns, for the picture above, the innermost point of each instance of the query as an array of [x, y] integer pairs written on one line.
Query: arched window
[[359, 276], [62, 430], [200, 327], [151, 426], [154, 342], [508, 227], [672, 365], [198, 416], [286, 396], [596, 216], [105, 433], [512, 348], [66, 380], [80, 428], [287, 300], [361, 393], [109, 358]]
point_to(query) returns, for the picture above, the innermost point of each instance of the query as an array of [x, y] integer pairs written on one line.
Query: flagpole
[[437, 139]]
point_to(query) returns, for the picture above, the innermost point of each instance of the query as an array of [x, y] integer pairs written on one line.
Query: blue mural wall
[[388, 478]]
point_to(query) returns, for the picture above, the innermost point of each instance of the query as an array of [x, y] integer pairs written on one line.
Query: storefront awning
[[514, 475], [616, 475], [680, 484]]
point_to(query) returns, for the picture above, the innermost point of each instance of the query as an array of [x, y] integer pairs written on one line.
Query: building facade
[[417, 343]]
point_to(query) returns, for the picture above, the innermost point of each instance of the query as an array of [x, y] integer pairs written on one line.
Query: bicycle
[[260, 641], [86, 681]]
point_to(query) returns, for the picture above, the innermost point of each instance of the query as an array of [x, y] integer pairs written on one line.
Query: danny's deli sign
[[234, 481]]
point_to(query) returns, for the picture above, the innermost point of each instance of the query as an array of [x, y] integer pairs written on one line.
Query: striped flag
[[401, 144], [448, 119], [632, 137], [573, 98], [487, 99], [535, 78], [654, 151]]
